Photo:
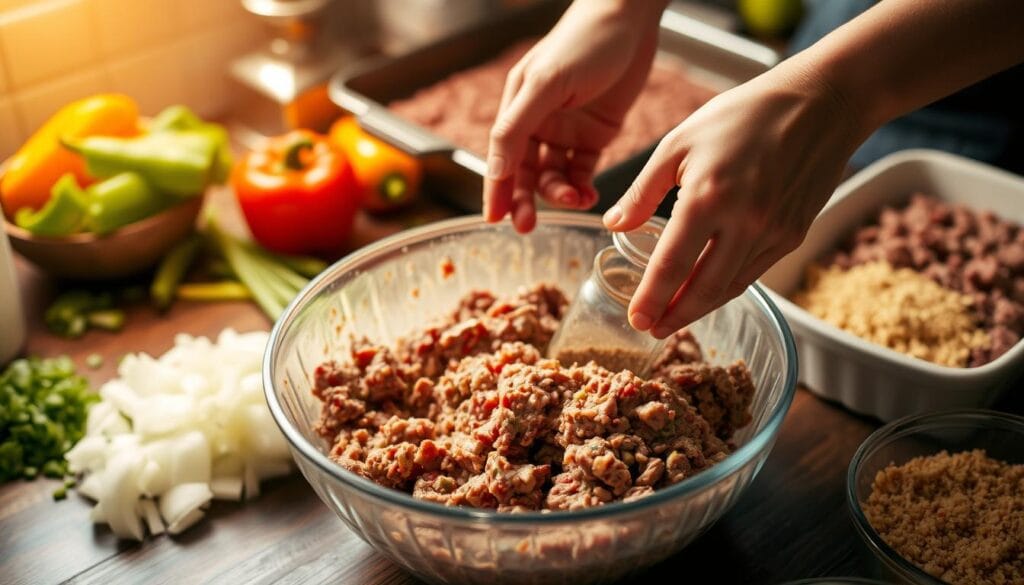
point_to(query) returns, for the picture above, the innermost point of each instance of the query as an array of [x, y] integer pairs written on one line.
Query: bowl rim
[[694, 484], [895, 430], [853, 186]]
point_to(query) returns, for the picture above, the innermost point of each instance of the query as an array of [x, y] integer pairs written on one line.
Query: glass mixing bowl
[[396, 285]]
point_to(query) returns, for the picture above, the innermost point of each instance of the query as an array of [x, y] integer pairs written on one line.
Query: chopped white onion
[[252, 483], [185, 522], [181, 500], [121, 493], [148, 510], [92, 486], [88, 454], [97, 515], [227, 488], [173, 432]]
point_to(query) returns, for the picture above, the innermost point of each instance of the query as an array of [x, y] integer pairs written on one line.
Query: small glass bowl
[[1001, 435]]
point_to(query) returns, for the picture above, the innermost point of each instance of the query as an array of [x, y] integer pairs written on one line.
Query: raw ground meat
[[975, 253], [463, 106], [468, 412]]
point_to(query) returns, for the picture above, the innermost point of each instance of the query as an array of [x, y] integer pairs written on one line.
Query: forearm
[[904, 54], [640, 13]]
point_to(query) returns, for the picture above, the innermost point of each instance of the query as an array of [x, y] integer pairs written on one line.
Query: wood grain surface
[[792, 522]]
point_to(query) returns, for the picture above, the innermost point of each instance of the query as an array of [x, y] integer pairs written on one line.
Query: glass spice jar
[[596, 325]]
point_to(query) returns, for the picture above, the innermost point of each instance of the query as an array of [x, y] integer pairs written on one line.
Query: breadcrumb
[[958, 517], [897, 308]]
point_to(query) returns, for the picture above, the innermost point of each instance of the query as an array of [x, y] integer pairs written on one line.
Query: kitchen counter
[[792, 522]]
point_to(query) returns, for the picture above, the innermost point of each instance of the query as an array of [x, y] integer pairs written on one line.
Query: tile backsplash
[[160, 52]]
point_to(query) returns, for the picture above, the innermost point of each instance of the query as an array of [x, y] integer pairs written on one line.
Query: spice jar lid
[[638, 245]]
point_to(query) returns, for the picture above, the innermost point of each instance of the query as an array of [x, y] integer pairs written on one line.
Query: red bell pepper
[[298, 193]]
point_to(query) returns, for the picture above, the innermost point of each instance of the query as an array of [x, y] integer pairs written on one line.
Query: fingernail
[[495, 167], [611, 218], [640, 321]]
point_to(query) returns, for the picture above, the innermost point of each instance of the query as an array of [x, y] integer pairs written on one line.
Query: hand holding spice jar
[[596, 326]]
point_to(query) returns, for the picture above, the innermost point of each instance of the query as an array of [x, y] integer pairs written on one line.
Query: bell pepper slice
[[176, 163], [298, 194], [388, 177], [64, 214], [120, 200], [42, 161], [178, 118]]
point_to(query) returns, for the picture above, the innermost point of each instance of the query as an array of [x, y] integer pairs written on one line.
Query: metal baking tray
[[713, 57]]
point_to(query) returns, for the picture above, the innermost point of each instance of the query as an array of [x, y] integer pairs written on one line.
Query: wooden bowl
[[123, 252]]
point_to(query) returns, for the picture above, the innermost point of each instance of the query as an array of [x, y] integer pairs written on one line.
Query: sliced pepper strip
[[64, 214], [120, 200], [42, 161], [177, 163]]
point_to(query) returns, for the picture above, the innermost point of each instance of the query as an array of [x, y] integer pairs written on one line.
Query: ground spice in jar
[[958, 517], [897, 308]]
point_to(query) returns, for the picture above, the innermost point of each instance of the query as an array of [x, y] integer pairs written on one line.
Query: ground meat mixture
[[959, 517], [468, 412], [974, 253], [463, 106]]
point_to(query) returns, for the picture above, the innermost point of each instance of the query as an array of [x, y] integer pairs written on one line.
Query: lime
[[770, 18]]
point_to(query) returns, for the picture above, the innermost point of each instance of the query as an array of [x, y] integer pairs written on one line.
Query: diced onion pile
[[172, 433]]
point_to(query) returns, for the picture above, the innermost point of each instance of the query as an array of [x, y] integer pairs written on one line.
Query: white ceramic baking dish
[[869, 378]]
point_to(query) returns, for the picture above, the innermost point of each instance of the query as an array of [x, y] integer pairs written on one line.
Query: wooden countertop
[[791, 523]]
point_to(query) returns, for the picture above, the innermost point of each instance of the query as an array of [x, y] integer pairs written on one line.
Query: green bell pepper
[[178, 163], [121, 200], [64, 214], [175, 118], [180, 118]]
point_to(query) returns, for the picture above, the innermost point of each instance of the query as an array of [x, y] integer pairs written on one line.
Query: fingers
[[641, 200], [581, 175], [523, 207], [705, 289], [524, 211], [684, 238], [566, 179], [553, 183], [513, 83], [510, 136]]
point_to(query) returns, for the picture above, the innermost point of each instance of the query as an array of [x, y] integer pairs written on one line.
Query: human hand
[[754, 166], [562, 103]]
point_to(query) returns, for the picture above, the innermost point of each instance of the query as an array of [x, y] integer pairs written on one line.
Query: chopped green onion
[[43, 408]]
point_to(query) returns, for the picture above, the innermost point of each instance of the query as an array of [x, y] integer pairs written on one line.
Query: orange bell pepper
[[41, 161], [298, 194], [388, 178]]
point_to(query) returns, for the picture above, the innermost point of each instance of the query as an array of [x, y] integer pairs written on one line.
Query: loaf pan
[[713, 57], [872, 379]]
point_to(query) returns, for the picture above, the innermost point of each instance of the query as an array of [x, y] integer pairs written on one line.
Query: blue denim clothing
[[984, 121]]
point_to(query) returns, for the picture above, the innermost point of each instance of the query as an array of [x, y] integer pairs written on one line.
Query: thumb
[[641, 200]]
